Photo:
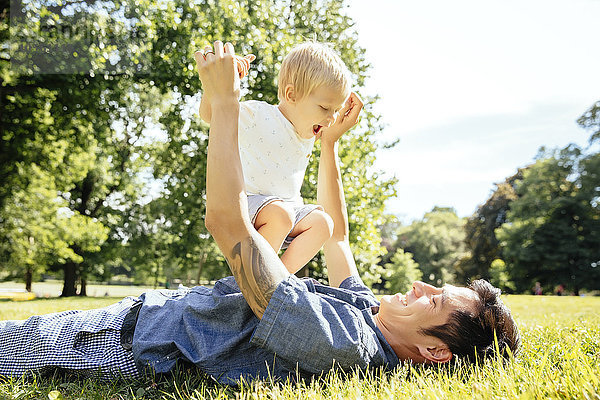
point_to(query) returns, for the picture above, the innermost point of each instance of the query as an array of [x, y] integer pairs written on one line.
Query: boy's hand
[[243, 64], [347, 118], [217, 71]]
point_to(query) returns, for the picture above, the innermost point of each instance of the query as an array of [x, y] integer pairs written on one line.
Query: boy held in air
[[275, 143]]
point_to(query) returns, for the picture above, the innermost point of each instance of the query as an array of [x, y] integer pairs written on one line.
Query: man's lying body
[[305, 327], [304, 330], [267, 322]]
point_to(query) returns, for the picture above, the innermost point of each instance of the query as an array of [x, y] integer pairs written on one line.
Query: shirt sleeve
[[315, 332], [355, 284]]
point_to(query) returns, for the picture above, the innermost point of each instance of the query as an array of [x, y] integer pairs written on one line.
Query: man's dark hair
[[472, 336]]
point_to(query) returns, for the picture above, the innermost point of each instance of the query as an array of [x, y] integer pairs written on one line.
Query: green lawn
[[560, 358], [54, 288]]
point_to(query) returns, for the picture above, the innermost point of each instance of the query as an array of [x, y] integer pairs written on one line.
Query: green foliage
[[499, 276], [553, 227], [401, 272], [39, 228], [84, 127], [269, 30], [436, 242], [103, 130], [480, 237], [591, 121]]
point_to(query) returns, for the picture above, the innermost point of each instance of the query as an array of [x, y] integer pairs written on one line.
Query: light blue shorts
[[257, 202]]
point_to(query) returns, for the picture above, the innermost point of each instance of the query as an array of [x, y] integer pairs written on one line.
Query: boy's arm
[[330, 195], [255, 265]]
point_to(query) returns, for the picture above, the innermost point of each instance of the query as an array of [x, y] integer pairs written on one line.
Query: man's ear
[[438, 354], [289, 93]]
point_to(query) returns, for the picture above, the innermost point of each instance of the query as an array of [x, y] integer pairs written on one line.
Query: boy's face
[[316, 111]]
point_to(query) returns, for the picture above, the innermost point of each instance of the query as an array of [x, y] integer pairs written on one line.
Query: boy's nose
[[331, 119]]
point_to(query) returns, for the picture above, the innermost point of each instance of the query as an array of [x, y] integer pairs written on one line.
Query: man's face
[[316, 111], [424, 306]]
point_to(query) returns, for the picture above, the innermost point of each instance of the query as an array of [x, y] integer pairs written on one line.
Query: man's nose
[[423, 289]]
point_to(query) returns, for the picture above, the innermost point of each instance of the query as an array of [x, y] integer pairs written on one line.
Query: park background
[[102, 158], [102, 170]]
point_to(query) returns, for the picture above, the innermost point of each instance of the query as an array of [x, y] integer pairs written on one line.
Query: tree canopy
[[436, 243], [552, 233], [100, 134]]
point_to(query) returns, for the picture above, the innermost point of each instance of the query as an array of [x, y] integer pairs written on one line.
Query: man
[[266, 322]]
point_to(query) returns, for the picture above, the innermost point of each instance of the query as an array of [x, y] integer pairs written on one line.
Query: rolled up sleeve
[[314, 331]]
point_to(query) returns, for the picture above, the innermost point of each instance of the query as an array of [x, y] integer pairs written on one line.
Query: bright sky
[[474, 88]]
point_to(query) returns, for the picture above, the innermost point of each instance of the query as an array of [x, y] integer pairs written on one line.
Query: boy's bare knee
[[276, 214], [323, 222]]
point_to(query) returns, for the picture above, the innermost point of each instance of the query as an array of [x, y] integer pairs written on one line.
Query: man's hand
[[213, 69], [347, 118], [242, 66]]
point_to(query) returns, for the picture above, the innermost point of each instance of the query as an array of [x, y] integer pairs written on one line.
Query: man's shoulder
[[352, 290]]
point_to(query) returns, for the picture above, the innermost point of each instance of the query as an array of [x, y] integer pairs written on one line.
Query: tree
[[38, 229], [268, 29], [436, 242], [591, 120], [73, 117], [401, 272], [126, 99], [480, 237], [499, 276], [552, 233]]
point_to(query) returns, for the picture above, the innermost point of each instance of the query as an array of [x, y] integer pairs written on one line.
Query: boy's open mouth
[[316, 129]]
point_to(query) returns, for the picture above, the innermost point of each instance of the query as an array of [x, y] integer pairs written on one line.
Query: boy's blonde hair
[[311, 65]]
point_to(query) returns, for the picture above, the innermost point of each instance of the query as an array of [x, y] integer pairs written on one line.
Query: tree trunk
[[200, 265], [29, 268], [156, 274], [83, 287], [303, 272], [70, 283], [28, 278]]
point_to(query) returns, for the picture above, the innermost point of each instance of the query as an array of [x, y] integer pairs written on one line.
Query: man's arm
[[254, 264], [205, 111], [242, 65], [330, 195]]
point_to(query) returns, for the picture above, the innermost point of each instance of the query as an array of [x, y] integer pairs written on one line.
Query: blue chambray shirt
[[305, 330]]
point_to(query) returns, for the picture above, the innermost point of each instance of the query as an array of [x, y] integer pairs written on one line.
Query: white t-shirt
[[274, 158]]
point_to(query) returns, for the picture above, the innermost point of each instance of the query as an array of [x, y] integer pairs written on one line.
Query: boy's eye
[[324, 108]]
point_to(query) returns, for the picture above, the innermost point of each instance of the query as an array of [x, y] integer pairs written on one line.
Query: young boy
[[275, 144]]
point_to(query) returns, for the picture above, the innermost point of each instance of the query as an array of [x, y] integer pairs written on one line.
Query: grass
[[52, 288], [560, 358]]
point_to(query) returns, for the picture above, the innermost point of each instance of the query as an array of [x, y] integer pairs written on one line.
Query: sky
[[473, 89]]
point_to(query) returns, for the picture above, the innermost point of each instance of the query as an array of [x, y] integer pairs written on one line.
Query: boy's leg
[[274, 222], [310, 233]]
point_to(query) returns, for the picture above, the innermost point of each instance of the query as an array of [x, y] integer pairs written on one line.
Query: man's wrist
[[226, 104]]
